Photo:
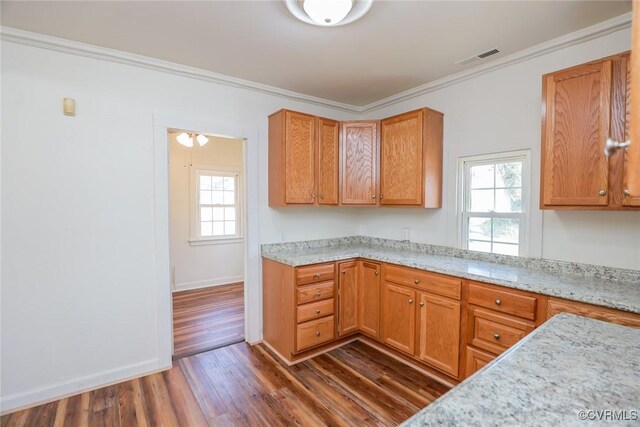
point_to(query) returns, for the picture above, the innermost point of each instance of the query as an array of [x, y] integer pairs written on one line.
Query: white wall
[[500, 111], [217, 263], [79, 302]]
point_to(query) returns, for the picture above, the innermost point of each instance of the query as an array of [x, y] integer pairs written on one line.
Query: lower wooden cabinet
[[347, 297], [369, 299], [439, 332], [557, 305], [399, 317], [315, 332], [476, 360], [495, 332]]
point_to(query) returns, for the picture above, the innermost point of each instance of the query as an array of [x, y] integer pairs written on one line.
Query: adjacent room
[[319, 213]]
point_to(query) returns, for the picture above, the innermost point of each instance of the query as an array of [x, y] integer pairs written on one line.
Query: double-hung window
[[495, 192], [217, 205]]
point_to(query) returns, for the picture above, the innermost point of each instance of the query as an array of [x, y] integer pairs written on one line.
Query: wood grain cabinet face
[[359, 163], [328, 161], [476, 360], [399, 317], [369, 299], [583, 106], [300, 142], [401, 159], [347, 298], [632, 170], [439, 332]]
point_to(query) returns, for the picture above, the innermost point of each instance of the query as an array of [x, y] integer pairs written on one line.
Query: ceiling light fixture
[[328, 13], [186, 139]]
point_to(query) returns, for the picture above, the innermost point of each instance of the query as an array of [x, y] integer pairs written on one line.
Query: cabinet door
[[399, 317], [440, 332], [633, 155], [300, 157], [359, 163], [348, 298], [401, 155], [369, 299], [328, 161], [476, 360], [575, 170]]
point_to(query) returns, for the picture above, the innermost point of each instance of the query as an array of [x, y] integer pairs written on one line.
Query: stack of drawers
[[498, 318], [315, 290]]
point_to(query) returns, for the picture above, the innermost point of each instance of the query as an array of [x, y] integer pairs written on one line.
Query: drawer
[[505, 301], [476, 360], [495, 332], [315, 292], [315, 310], [423, 280], [556, 306], [314, 333], [315, 273]]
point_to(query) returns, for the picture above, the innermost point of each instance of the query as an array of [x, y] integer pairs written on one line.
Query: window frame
[[196, 172], [464, 166]]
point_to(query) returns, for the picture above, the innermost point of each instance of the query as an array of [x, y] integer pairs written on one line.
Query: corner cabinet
[[394, 162], [303, 159], [411, 159], [583, 107]]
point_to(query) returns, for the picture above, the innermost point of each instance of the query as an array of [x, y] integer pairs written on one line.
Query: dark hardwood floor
[[204, 319], [241, 385]]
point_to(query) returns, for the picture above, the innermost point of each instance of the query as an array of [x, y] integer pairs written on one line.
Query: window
[[494, 203], [217, 205]]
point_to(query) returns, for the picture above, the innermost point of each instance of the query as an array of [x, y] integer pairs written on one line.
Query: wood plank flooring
[[207, 318], [240, 385]]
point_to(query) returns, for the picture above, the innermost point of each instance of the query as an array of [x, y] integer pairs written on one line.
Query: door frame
[[252, 285]]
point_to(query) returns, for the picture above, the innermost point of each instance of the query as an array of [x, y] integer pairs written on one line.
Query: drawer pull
[[317, 333], [410, 301], [377, 273], [498, 302], [317, 311], [416, 281], [317, 276], [496, 336], [318, 294]]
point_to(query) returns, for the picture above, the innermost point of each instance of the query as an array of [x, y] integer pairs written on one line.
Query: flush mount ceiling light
[[328, 13], [186, 139]]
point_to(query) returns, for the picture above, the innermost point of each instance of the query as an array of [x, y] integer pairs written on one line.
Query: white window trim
[[464, 164], [195, 172]]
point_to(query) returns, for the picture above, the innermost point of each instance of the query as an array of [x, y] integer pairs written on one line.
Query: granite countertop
[[608, 287], [568, 365]]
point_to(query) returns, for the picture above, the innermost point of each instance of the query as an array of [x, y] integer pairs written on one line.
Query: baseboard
[[187, 286], [39, 396]]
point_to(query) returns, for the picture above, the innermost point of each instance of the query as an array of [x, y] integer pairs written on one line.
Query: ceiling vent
[[478, 56]]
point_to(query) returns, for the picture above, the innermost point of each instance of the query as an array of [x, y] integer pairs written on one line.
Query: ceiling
[[398, 45]]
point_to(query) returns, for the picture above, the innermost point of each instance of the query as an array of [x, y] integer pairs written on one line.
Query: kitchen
[[450, 247]]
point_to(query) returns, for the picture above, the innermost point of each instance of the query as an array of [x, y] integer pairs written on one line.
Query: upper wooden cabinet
[[303, 159], [316, 161], [583, 106], [411, 159], [632, 170], [359, 164]]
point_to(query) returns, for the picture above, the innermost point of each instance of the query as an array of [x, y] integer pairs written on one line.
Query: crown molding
[[112, 55], [57, 44], [598, 30]]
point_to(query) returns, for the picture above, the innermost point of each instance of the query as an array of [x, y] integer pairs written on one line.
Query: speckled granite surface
[[569, 364], [609, 287]]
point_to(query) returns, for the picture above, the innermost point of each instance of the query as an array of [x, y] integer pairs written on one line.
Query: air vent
[[478, 56]]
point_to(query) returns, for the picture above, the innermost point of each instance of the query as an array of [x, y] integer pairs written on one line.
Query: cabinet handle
[[602, 192], [626, 192], [322, 196], [377, 273], [316, 276], [498, 302], [317, 333], [421, 304], [344, 271], [313, 195], [496, 336], [317, 311], [416, 281], [373, 197], [610, 146], [381, 196], [317, 294], [410, 301]]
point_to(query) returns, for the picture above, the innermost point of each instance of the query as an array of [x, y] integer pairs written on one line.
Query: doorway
[[206, 240]]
